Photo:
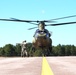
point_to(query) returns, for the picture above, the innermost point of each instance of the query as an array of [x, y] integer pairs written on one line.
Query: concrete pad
[[33, 65]]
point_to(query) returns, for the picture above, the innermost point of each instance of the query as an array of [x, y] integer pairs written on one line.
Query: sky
[[16, 32]]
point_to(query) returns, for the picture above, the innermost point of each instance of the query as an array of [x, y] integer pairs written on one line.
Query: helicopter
[[42, 36]]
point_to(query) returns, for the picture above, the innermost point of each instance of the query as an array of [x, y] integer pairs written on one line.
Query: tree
[[9, 50], [73, 50], [2, 52], [68, 50], [63, 50], [18, 50]]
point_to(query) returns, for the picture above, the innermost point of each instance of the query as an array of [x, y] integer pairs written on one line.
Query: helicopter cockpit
[[41, 31]]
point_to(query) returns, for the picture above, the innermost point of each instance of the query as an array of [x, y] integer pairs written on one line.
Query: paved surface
[[33, 65], [62, 65]]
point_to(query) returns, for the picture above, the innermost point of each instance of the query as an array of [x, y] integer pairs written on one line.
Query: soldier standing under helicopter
[[23, 49]]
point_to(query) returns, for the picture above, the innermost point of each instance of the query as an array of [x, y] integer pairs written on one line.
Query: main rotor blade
[[61, 24], [27, 22], [32, 28], [63, 17], [48, 21], [17, 20], [32, 23]]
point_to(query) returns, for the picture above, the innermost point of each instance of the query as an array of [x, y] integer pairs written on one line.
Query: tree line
[[10, 50]]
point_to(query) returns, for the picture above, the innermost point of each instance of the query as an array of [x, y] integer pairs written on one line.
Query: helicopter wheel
[[50, 49], [44, 52], [47, 52], [33, 48]]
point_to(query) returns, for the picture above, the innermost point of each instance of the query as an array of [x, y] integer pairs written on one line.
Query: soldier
[[23, 49]]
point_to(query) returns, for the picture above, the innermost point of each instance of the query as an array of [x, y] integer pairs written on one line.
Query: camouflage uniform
[[23, 49]]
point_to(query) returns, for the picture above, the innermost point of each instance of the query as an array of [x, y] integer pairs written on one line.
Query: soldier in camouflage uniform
[[23, 49]]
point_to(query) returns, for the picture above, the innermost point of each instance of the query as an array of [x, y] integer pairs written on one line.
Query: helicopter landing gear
[[47, 51], [33, 48]]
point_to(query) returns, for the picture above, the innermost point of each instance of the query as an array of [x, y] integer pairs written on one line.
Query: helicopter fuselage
[[42, 41]]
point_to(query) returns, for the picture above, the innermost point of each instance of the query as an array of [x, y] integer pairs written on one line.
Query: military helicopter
[[42, 36]]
